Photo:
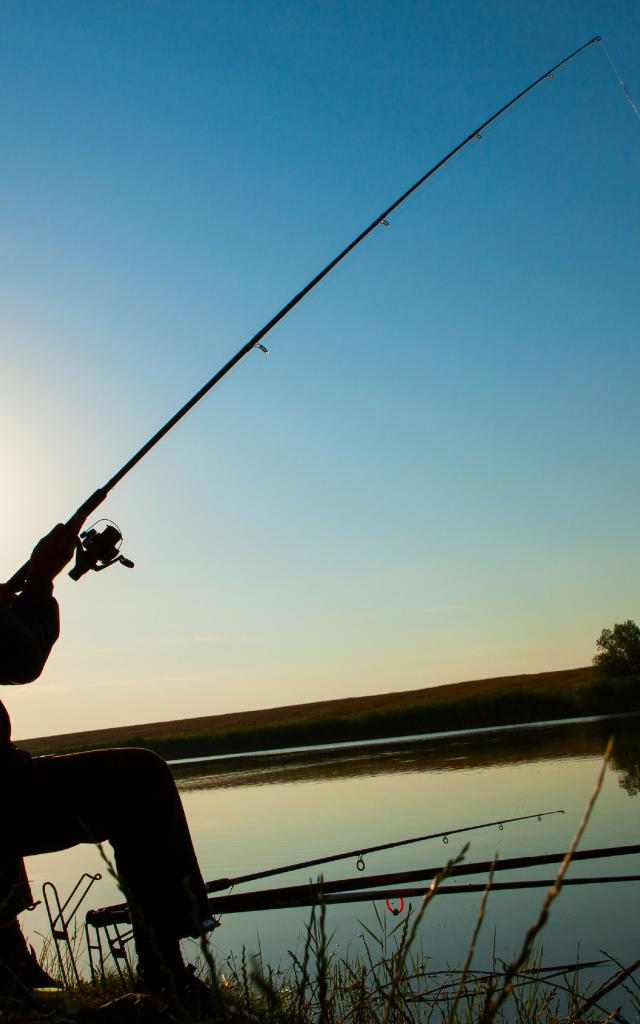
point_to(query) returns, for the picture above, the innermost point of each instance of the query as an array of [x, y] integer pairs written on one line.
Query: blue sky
[[433, 474]]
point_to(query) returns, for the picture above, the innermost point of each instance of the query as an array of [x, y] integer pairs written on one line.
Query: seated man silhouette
[[125, 796]]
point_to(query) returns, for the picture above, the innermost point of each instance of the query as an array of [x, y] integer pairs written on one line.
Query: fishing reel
[[98, 549]]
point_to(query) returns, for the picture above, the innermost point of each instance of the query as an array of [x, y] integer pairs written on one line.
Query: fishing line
[[619, 78]]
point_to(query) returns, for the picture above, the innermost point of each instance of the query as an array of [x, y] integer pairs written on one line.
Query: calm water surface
[[254, 812]]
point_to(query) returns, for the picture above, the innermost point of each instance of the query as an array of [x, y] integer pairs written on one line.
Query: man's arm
[[29, 622], [29, 627]]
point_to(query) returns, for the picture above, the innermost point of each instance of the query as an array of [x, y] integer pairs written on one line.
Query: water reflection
[[499, 748], [626, 760]]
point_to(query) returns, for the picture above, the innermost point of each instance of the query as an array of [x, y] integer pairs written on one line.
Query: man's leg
[[19, 968], [129, 798], [15, 891]]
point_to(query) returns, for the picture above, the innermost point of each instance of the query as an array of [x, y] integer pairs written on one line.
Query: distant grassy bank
[[506, 700]]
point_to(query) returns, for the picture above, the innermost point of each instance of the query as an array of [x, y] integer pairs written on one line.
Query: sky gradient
[[433, 474]]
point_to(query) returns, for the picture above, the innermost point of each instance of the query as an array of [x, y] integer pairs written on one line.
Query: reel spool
[[98, 549]]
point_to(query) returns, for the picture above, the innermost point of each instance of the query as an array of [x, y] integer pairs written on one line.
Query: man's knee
[[144, 766], [123, 769]]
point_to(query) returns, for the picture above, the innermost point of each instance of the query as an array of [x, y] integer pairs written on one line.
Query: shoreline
[[480, 705], [387, 741]]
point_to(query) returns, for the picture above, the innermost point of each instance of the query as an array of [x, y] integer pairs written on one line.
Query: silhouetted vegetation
[[392, 980], [618, 652]]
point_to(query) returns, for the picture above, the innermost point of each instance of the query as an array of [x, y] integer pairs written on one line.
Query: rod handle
[[89, 506], [218, 884]]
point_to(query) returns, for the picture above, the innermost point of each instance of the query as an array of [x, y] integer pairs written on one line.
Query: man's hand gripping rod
[[97, 550]]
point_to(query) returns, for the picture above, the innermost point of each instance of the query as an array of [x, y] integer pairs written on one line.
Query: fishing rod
[[229, 883], [219, 906], [269, 898], [99, 549], [252, 902], [315, 892]]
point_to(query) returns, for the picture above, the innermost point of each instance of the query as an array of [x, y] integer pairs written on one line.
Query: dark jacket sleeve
[[28, 631]]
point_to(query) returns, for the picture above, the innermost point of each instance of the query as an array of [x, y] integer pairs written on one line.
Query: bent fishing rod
[[228, 883], [99, 549]]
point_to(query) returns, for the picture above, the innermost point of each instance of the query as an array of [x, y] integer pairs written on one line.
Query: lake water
[[248, 813]]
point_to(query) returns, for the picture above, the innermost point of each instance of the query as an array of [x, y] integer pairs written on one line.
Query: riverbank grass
[[389, 980]]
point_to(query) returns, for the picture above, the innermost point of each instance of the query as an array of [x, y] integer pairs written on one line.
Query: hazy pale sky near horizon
[[433, 475]]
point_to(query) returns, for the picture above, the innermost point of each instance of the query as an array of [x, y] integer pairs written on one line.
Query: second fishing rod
[[101, 548], [361, 852]]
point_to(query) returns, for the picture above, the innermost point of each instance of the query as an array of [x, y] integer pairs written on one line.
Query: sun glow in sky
[[433, 474]]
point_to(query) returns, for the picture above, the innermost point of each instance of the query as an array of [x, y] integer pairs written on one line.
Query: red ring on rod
[[395, 910]]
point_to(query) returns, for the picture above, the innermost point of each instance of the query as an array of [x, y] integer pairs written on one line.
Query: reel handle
[[98, 549]]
